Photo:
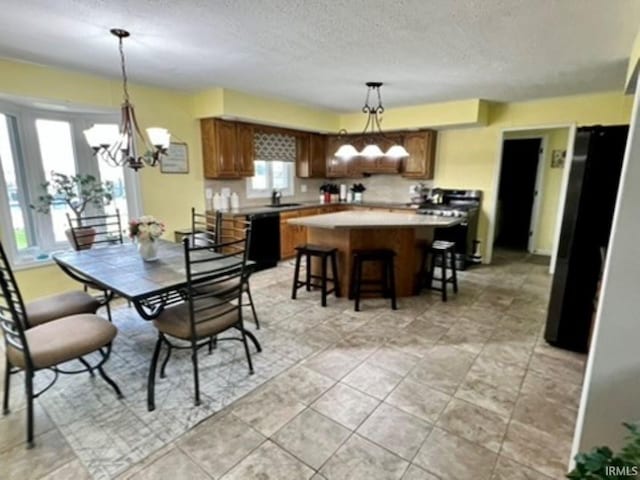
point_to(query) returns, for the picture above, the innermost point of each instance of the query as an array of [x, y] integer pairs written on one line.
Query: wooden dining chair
[[48, 345], [212, 306], [94, 232], [213, 229]]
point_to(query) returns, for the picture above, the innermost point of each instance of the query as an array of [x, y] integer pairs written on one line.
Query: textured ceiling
[[321, 53]]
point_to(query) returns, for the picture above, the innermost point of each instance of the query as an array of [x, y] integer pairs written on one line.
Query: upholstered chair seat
[[175, 320], [65, 339], [65, 304]]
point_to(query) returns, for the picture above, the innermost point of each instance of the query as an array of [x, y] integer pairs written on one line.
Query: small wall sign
[[176, 160], [557, 158]]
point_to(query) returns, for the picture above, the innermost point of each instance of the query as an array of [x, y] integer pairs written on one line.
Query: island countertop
[[373, 219]]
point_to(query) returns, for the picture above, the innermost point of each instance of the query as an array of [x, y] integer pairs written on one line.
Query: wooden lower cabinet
[[291, 235]]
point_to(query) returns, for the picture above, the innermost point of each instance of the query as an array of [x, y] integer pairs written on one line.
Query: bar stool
[[439, 250], [324, 253], [386, 283]]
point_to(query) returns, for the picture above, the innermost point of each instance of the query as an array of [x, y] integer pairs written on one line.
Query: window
[[270, 175], [33, 143]]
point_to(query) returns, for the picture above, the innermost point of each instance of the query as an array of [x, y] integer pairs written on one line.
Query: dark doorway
[[516, 192]]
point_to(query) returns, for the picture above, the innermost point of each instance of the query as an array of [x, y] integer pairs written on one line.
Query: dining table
[[150, 286]]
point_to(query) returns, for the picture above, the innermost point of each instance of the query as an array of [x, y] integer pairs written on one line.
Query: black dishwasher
[[264, 247]]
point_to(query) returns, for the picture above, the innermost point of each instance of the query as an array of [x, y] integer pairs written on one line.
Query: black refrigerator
[[586, 225]]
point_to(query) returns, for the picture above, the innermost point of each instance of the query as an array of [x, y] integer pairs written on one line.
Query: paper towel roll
[[343, 192]]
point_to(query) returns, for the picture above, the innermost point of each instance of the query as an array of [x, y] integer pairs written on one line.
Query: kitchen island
[[405, 233]]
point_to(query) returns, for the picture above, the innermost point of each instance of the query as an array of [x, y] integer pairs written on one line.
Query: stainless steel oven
[[463, 204]]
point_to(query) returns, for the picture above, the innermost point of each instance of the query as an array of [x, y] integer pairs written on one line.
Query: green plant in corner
[[602, 463], [77, 191]]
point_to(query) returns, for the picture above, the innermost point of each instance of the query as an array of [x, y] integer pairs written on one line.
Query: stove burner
[[443, 212]]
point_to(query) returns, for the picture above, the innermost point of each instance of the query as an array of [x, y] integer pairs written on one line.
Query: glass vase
[[148, 250]]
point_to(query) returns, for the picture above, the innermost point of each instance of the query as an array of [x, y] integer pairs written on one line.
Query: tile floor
[[463, 390]]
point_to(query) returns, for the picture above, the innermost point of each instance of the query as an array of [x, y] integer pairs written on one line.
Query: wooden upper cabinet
[[422, 154], [303, 156], [383, 164], [228, 151], [335, 167], [317, 155], [245, 150], [227, 148]]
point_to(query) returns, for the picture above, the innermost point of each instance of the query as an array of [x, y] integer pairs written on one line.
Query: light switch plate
[[303, 188]]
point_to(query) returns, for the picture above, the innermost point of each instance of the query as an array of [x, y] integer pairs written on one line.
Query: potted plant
[[602, 463], [357, 189], [77, 192]]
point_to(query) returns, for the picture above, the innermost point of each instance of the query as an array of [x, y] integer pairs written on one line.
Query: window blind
[[274, 147]]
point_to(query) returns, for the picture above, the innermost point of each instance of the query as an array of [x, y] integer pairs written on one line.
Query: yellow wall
[[466, 157], [243, 106], [557, 139], [435, 115]]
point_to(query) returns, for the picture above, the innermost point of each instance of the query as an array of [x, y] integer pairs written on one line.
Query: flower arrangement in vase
[[145, 231]]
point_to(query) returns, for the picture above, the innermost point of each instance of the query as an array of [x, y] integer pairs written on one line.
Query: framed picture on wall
[[176, 160]]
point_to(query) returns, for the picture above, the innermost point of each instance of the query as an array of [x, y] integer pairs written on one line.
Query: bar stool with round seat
[[386, 283], [443, 255], [324, 254]]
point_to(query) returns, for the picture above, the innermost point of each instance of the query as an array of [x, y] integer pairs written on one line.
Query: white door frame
[[563, 196], [563, 187]]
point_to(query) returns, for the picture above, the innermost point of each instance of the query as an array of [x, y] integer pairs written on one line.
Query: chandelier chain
[[125, 79]]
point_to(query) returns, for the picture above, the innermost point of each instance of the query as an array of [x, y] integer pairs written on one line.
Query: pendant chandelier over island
[[372, 133]]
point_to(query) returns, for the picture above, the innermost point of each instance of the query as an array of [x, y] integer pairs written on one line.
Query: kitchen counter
[[407, 234], [253, 210], [373, 219]]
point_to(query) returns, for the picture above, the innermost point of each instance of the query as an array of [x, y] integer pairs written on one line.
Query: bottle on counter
[[235, 201], [224, 203], [217, 201]]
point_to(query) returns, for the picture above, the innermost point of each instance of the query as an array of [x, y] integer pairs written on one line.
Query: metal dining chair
[[212, 229], [94, 232], [47, 345], [51, 307], [212, 306]]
